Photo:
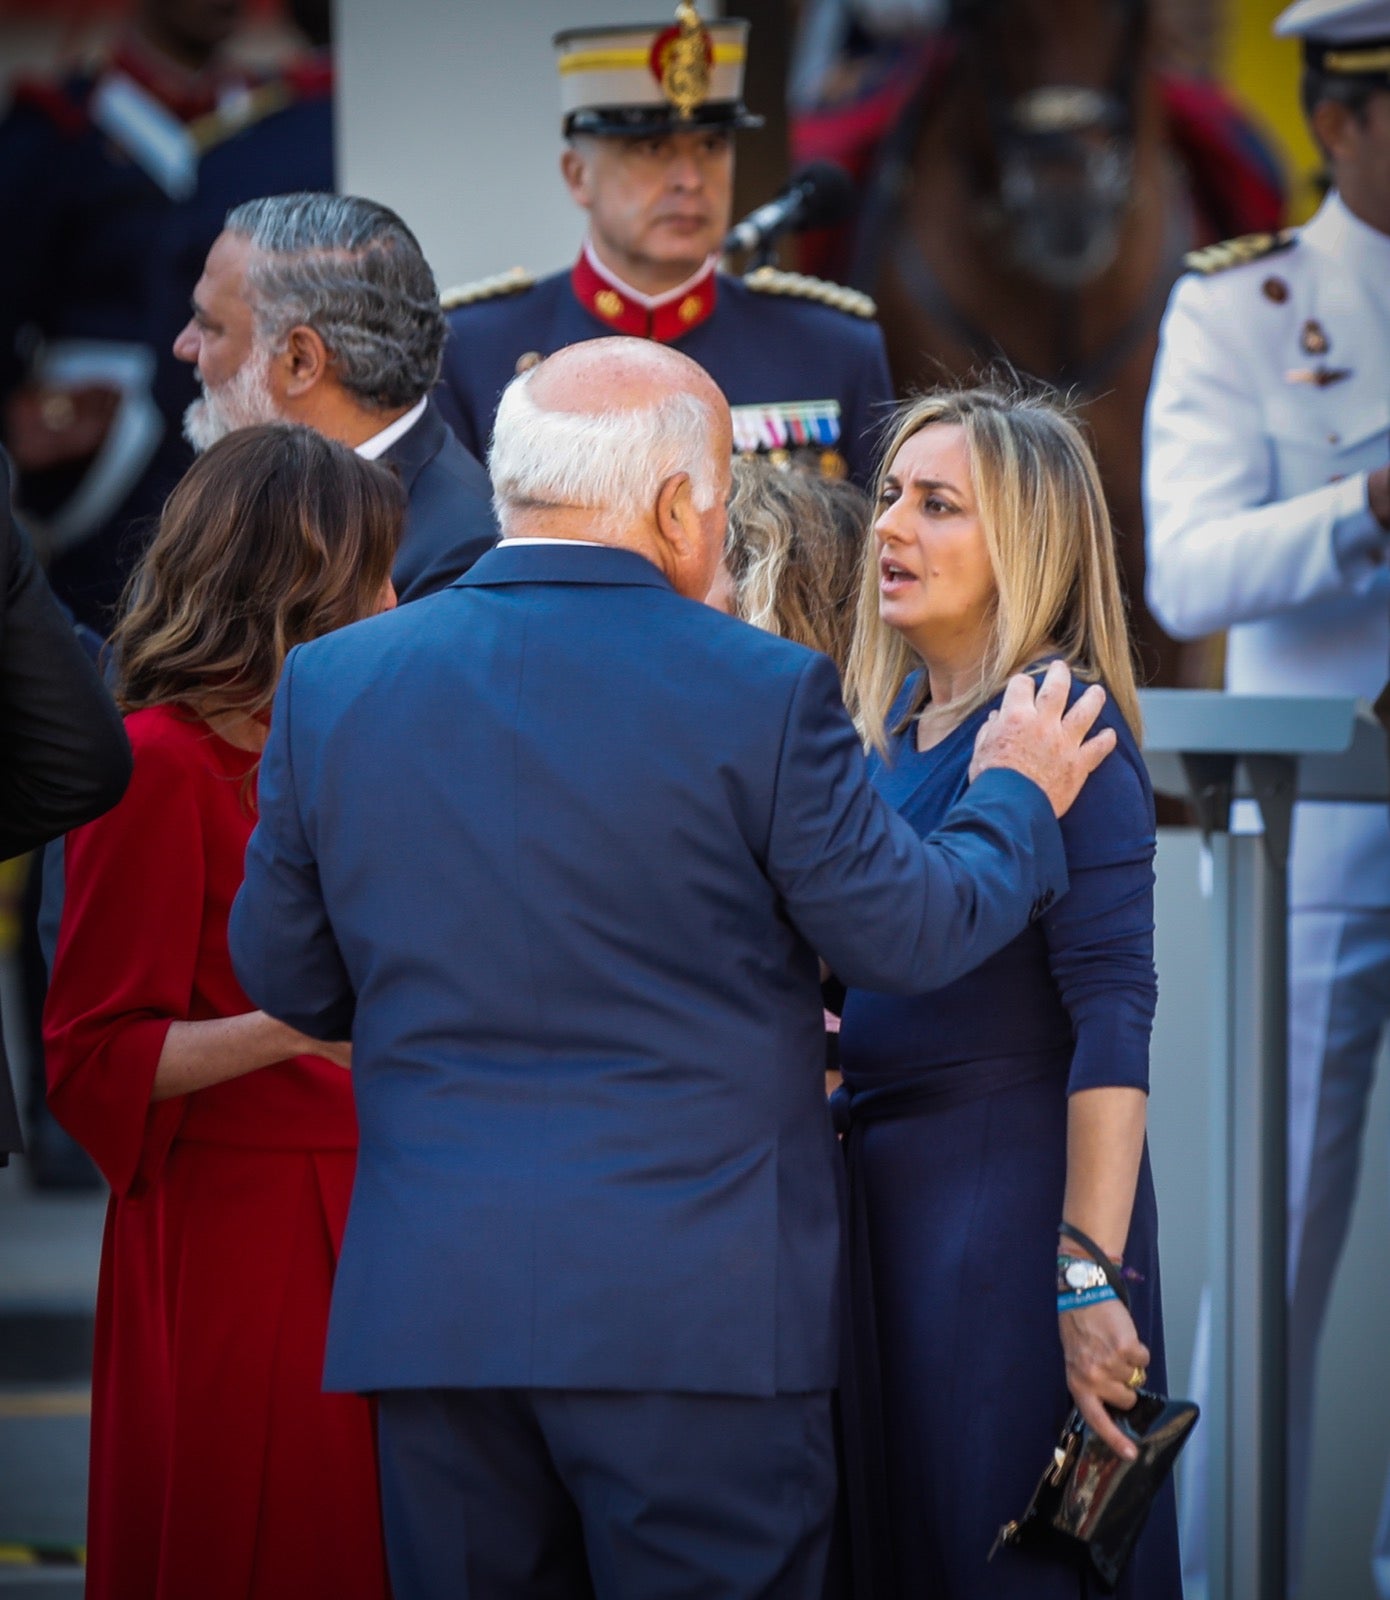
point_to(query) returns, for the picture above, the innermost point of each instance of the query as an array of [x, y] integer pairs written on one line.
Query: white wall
[[448, 111]]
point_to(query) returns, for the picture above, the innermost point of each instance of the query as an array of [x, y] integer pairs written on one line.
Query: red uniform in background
[[218, 1467]]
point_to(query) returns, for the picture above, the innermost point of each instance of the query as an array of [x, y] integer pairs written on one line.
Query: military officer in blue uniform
[[649, 119], [1267, 473], [113, 185]]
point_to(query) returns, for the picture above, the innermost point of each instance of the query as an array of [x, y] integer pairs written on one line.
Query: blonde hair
[[1051, 546], [793, 549]]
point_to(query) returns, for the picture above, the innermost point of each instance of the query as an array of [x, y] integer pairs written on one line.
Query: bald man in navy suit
[[591, 1263]]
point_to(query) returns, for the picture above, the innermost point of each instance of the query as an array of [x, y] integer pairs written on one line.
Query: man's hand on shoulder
[[1036, 735]]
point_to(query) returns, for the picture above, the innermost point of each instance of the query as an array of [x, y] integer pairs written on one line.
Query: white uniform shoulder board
[[1239, 252], [768, 280], [513, 281]]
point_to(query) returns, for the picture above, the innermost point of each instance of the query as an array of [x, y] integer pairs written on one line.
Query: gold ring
[[1136, 1379]]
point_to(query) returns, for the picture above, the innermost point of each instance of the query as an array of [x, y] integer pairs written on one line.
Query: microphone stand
[[764, 254]]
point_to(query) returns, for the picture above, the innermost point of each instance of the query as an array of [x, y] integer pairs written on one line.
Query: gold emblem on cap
[[608, 303], [685, 63], [690, 308]]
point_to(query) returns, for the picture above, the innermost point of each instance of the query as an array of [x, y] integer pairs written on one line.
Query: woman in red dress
[[219, 1470]]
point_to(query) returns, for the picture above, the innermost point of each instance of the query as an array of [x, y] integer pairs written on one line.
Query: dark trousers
[[532, 1494]]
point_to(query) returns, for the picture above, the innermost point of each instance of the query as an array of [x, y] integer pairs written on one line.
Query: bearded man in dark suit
[[321, 309]]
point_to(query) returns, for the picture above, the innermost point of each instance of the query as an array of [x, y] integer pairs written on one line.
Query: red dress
[[219, 1470]]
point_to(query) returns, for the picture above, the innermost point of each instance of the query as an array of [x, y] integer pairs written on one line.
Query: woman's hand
[[338, 1051], [1102, 1350]]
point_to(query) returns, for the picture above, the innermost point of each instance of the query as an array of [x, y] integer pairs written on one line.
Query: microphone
[[818, 196]]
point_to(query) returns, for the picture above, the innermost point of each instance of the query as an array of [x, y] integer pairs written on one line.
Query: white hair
[[610, 462]]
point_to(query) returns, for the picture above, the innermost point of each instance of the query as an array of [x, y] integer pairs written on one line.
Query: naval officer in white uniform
[[1268, 511]]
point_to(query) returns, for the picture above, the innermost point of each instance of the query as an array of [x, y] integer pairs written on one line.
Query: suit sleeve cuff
[[1359, 542]]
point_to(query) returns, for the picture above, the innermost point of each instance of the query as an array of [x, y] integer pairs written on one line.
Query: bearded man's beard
[[243, 401]]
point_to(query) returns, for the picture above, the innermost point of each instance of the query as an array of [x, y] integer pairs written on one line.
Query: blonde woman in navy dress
[[985, 1114]]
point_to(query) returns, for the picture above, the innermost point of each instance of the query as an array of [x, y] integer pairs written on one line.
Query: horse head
[[1056, 84]]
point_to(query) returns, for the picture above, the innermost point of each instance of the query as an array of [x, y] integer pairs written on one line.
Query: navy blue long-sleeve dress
[[958, 1126]]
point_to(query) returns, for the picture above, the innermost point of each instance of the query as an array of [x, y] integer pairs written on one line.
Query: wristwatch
[[1076, 1276]]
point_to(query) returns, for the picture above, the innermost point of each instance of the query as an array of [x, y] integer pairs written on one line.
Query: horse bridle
[[1048, 113], [1085, 130]]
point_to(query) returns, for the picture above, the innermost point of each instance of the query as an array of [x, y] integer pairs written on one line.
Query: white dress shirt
[[380, 443]]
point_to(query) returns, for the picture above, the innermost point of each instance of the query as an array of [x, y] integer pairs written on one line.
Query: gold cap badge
[[681, 61]]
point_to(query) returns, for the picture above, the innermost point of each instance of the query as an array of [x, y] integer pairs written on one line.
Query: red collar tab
[[189, 95], [619, 311], [310, 77]]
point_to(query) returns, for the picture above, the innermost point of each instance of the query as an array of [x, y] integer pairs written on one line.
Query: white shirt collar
[[380, 443], [587, 544], [648, 302], [1337, 233]]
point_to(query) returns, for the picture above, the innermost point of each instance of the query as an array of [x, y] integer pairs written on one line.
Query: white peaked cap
[[1335, 21]]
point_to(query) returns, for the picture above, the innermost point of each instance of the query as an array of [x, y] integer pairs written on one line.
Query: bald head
[[618, 441], [613, 375]]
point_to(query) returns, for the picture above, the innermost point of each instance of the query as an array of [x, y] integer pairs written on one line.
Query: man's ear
[[681, 537], [304, 363], [1331, 123], [574, 169]]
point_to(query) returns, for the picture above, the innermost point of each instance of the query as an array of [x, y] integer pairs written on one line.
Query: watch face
[[1080, 1275]]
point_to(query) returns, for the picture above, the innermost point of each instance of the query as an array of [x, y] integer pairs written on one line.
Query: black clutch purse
[[1090, 1505]]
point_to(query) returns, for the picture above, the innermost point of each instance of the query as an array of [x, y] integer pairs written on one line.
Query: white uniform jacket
[[1270, 404]]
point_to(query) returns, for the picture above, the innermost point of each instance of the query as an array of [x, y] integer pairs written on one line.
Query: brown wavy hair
[[274, 536], [793, 549]]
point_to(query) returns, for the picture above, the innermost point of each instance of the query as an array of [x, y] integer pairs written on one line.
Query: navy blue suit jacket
[[559, 848], [759, 348], [449, 521]]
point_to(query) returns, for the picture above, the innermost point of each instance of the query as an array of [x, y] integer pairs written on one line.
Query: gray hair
[[352, 271], [611, 462]]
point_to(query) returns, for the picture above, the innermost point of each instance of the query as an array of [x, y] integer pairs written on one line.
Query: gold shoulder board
[[1239, 252], [768, 280], [513, 281]]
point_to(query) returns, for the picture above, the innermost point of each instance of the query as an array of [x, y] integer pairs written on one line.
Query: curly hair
[[793, 549], [274, 536]]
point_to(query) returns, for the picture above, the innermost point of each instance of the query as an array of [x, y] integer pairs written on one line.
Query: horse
[[1030, 185]]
